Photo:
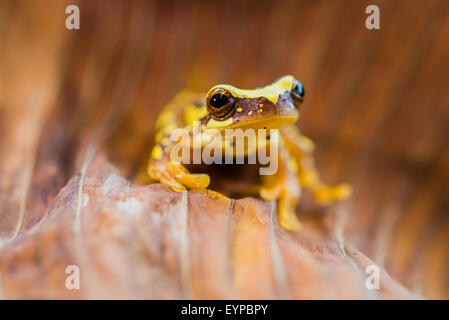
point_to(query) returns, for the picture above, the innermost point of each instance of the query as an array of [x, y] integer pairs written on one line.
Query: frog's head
[[271, 107]]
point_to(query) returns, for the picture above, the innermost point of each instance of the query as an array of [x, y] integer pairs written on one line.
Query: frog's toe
[[190, 180], [270, 193], [171, 181], [182, 176], [343, 191], [287, 215], [325, 195]]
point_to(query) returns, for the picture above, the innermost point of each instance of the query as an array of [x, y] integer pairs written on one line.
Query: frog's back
[[181, 111]]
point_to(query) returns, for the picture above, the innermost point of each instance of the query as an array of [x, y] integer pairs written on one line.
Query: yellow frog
[[275, 106]]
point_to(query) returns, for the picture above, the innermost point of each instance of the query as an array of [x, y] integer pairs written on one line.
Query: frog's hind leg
[[301, 148], [323, 193]]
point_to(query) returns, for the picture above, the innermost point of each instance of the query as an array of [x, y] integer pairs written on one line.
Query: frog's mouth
[[273, 122]]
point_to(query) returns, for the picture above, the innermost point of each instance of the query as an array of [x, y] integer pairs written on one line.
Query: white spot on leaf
[[131, 206], [85, 199], [113, 181]]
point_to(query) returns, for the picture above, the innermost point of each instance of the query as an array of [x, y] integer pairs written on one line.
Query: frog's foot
[[287, 215], [325, 194], [178, 177], [286, 205], [270, 193]]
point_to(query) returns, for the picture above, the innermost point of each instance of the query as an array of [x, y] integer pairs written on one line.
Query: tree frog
[[275, 106]]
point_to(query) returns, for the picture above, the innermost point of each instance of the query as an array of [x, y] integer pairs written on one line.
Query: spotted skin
[[275, 106]]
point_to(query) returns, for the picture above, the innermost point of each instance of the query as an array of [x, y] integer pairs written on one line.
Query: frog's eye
[[220, 103], [298, 90]]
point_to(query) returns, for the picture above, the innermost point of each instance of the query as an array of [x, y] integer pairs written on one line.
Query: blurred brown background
[[377, 103]]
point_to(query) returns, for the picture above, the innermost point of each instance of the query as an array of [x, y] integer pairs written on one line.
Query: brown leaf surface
[[77, 110], [133, 241]]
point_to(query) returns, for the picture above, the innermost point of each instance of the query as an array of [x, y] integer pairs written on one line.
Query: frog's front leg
[[284, 186], [174, 174], [301, 148]]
